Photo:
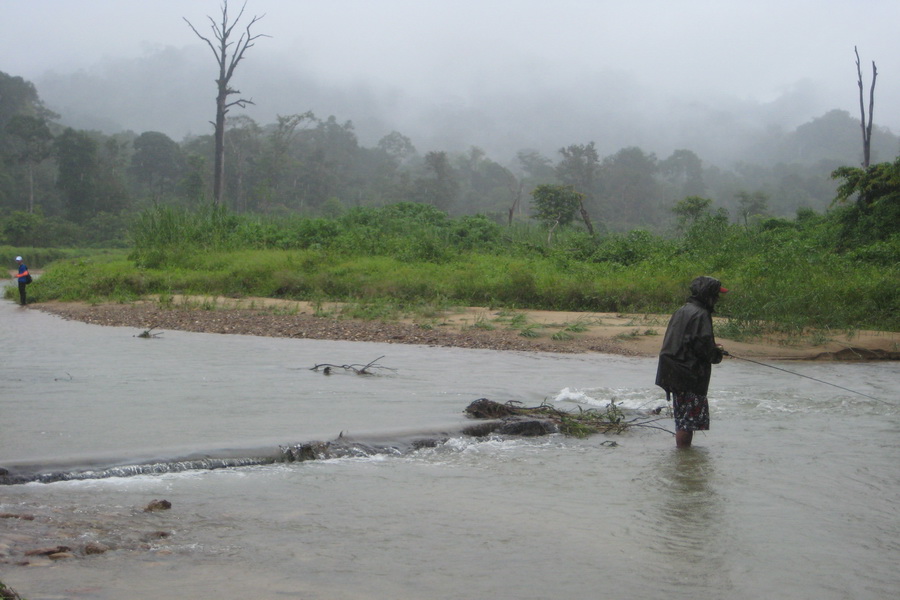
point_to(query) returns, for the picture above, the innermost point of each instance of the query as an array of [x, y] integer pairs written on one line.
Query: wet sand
[[474, 327]]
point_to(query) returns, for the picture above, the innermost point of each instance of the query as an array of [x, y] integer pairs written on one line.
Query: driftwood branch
[[576, 424], [148, 333], [367, 369]]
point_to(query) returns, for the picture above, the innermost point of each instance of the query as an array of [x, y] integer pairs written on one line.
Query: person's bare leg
[[683, 438]]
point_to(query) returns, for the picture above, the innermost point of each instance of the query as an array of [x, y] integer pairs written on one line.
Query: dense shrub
[[798, 272]]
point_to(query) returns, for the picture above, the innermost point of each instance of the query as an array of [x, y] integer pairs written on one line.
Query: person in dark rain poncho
[[688, 352]]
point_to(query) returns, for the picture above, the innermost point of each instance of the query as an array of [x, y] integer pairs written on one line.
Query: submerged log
[[506, 419], [527, 426]]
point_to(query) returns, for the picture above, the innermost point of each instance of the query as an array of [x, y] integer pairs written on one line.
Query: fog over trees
[[93, 170], [86, 148], [610, 108]]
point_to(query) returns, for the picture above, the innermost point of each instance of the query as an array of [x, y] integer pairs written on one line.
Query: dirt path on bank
[[523, 330]]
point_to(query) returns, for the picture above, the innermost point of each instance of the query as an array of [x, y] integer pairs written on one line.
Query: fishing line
[[756, 362]]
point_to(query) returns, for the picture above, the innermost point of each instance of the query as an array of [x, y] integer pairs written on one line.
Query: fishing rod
[[756, 362]]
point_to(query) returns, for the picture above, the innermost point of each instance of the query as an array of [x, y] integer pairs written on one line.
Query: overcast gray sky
[[458, 54]]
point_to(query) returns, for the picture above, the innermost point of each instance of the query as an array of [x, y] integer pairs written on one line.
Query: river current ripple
[[792, 494]]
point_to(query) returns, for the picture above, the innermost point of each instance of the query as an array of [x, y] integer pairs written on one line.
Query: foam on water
[[623, 398]]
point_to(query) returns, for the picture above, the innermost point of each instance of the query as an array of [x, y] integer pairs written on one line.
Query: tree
[[243, 151], [24, 138], [397, 146], [537, 167], [578, 168], [279, 167], [20, 229], [865, 125], [194, 185], [19, 97], [89, 175], [158, 162], [76, 154], [555, 205], [110, 191], [834, 135], [880, 183], [630, 189], [684, 169], [514, 187], [752, 205], [228, 55], [31, 143], [876, 213], [690, 209], [386, 169], [325, 163], [486, 185], [441, 187]]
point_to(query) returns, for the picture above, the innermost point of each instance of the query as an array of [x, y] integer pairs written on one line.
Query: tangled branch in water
[[368, 369], [576, 424], [147, 333]]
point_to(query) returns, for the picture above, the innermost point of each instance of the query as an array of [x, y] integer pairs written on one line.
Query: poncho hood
[[705, 290]]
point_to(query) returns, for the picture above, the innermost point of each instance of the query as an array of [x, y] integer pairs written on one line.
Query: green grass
[[410, 259]]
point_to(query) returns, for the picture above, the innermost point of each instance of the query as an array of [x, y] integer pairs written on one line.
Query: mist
[[501, 75]]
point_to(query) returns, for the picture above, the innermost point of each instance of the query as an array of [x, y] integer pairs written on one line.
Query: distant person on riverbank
[[24, 279], [688, 352]]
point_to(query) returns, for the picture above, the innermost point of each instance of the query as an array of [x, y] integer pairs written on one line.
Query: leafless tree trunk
[[866, 126], [551, 230], [586, 217], [222, 33], [515, 190]]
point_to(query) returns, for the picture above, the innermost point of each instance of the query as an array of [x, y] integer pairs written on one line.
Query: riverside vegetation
[[836, 271]]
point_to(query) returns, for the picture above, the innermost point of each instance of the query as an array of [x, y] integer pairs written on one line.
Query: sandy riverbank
[[546, 331]]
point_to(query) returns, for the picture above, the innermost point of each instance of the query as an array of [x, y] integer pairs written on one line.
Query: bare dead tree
[[863, 123], [228, 54], [552, 228], [585, 216], [515, 188]]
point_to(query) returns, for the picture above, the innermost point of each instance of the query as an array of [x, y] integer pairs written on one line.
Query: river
[[793, 494]]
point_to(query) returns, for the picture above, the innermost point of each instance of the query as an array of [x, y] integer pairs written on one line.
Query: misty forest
[[300, 208], [60, 186]]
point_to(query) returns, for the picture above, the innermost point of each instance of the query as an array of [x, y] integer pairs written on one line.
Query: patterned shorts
[[691, 412]]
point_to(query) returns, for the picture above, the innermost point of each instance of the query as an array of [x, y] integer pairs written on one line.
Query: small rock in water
[[158, 505], [95, 548]]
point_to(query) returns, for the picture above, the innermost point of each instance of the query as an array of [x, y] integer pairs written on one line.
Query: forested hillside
[[62, 187]]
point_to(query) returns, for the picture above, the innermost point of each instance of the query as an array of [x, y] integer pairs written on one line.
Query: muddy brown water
[[792, 494]]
